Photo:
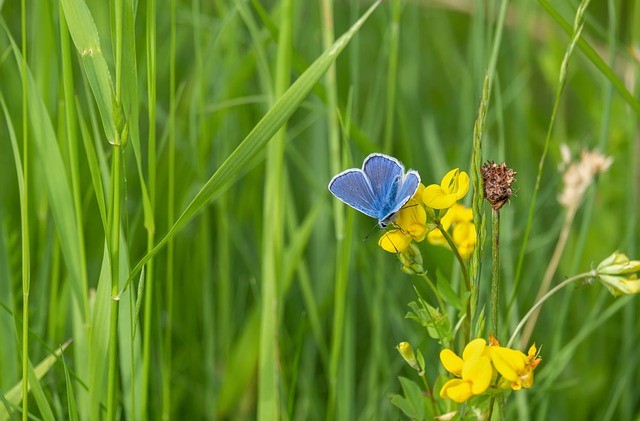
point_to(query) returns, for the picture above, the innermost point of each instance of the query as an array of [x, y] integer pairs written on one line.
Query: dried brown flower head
[[497, 183]]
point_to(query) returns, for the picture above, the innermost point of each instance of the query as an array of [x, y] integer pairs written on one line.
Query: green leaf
[[71, 401], [413, 404], [14, 396], [420, 359], [437, 324], [404, 405], [85, 37]]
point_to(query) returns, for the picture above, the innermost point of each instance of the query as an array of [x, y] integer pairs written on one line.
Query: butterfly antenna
[[369, 233]]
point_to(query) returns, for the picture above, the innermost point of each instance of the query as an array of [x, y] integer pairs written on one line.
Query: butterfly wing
[[353, 188], [384, 173], [407, 189]]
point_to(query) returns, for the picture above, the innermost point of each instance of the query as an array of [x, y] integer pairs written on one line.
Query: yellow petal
[[449, 181], [462, 185], [527, 380], [418, 194], [451, 362], [395, 241], [465, 214], [464, 236], [475, 348], [436, 237], [508, 362], [478, 371], [456, 390], [418, 232], [412, 213], [435, 197]]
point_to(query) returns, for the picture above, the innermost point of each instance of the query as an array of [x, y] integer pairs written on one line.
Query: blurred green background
[[271, 281]]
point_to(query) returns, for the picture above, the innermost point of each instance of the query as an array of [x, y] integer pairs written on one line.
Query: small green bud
[[411, 260]]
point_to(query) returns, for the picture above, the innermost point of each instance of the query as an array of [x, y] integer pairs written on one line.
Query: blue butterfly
[[379, 190]]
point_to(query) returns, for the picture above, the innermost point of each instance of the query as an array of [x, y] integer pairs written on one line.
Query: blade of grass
[[71, 401], [171, 181], [87, 41], [273, 237], [151, 169], [115, 206], [257, 139], [15, 394], [593, 56], [100, 341], [24, 215], [333, 128], [60, 201], [392, 75]]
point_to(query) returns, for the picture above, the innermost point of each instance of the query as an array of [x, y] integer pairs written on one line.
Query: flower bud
[[411, 260], [405, 349], [619, 274], [618, 264]]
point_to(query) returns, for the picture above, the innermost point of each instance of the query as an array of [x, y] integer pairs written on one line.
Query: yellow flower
[[474, 369], [464, 237], [514, 366], [456, 213], [453, 187], [412, 225], [463, 232]]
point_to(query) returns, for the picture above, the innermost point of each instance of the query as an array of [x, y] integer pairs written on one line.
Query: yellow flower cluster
[[484, 365], [416, 220], [458, 221]]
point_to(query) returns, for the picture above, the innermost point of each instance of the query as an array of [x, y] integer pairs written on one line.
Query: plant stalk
[[538, 304], [465, 276], [115, 265], [151, 158], [24, 219], [495, 272]]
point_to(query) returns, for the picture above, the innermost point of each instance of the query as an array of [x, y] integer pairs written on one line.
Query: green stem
[[151, 157], [538, 304], [463, 267], [166, 379], [24, 209], [436, 325], [495, 272], [423, 376], [114, 226], [392, 72], [435, 291], [465, 276], [115, 265]]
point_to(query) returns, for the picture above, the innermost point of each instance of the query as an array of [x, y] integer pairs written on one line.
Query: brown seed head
[[497, 183]]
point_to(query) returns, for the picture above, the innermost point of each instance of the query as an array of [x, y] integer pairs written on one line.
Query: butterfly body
[[379, 190]]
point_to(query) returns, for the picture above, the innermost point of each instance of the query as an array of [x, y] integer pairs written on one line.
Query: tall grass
[[164, 205]]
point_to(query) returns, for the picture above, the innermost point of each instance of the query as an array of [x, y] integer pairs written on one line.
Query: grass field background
[[152, 133]]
